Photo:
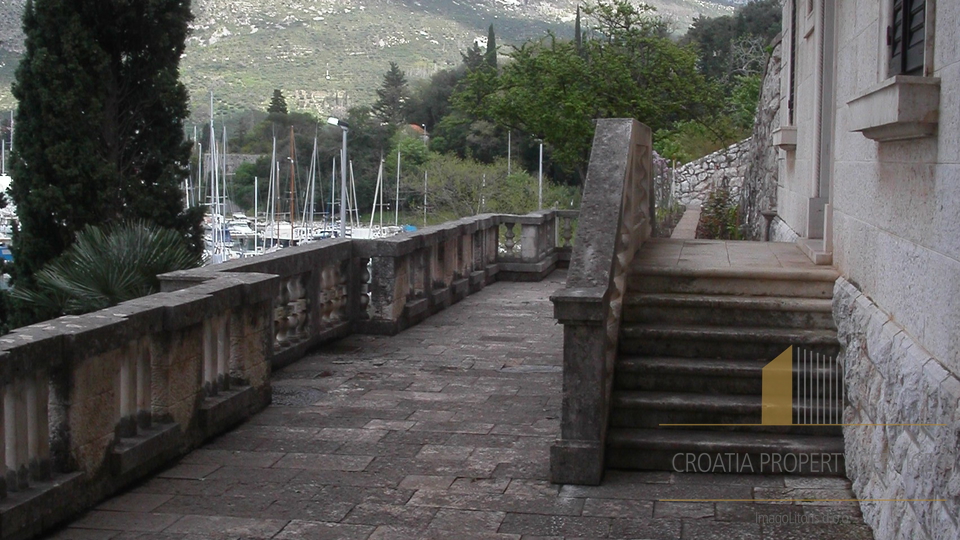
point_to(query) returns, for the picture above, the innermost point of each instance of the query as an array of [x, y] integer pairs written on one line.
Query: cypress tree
[[491, 56], [100, 116], [278, 103], [577, 33], [391, 105]]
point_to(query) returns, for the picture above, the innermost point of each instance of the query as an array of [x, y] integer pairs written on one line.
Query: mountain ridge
[[328, 55]]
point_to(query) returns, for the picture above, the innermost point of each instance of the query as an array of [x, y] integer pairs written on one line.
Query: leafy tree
[[430, 101], [106, 266], [491, 57], [392, 96], [99, 135], [551, 91], [278, 103]]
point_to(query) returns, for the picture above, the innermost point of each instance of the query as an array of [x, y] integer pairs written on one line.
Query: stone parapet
[[903, 424], [95, 402], [619, 191]]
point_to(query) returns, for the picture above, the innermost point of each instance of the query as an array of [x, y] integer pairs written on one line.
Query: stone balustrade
[[93, 403], [618, 190]]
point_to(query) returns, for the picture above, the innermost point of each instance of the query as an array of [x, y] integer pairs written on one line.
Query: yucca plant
[[106, 266]]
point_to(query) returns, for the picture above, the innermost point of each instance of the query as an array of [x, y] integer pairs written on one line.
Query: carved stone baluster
[[508, 235], [326, 296], [302, 308], [280, 315], [365, 279], [343, 291], [293, 317]]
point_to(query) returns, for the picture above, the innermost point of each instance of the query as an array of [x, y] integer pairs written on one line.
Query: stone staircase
[[693, 343]]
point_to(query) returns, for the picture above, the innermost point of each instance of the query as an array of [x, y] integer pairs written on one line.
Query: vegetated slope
[[243, 49]]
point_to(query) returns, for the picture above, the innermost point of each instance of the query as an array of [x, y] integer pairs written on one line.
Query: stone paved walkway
[[440, 432]]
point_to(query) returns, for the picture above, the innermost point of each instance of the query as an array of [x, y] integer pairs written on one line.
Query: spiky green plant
[[105, 266]]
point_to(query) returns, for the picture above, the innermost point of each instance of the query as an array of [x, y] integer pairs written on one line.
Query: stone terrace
[[441, 431]]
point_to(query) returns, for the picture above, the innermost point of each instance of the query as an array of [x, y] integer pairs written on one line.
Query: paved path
[[686, 228], [441, 432]]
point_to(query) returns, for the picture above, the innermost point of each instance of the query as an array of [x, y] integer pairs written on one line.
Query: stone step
[[746, 343], [726, 310], [668, 450], [642, 409], [778, 282], [701, 375]]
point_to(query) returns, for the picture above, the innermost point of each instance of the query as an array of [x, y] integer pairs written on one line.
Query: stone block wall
[[724, 168], [762, 169], [893, 381]]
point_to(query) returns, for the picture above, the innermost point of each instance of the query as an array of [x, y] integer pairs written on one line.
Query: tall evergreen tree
[[392, 96], [278, 103], [491, 56], [577, 32], [100, 116], [473, 59]]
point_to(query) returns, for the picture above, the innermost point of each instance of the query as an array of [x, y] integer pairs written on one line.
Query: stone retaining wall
[[761, 161], [723, 168], [892, 380]]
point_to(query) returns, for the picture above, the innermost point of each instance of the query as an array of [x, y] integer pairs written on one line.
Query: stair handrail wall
[[619, 186], [91, 403]]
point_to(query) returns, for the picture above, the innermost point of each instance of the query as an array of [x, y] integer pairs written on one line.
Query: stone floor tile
[[683, 510], [309, 509], [323, 462], [575, 526], [306, 445], [417, 517], [661, 529], [486, 485], [393, 425], [351, 434], [465, 520], [227, 527], [134, 502], [712, 530], [315, 530], [250, 504], [190, 471], [618, 508], [445, 452], [234, 458], [743, 511], [125, 521], [83, 534], [822, 531], [432, 416], [245, 475], [419, 481]]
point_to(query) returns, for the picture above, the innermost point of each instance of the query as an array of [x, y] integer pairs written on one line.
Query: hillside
[[327, 54]]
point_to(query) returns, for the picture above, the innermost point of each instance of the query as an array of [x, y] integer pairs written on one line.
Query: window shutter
[[906, 36], [915, 18]]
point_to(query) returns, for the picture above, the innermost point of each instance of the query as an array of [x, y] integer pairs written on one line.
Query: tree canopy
[[392, 96]]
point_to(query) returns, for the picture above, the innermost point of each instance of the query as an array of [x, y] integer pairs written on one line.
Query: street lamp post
[[343, 173], [540, 179]]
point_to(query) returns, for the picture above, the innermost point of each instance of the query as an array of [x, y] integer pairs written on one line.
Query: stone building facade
[[869, 181]]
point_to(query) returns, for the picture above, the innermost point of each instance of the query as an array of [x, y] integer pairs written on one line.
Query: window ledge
[[900, 108], [785, 138]]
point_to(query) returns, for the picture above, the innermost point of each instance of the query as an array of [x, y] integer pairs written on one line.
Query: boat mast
[[377, 193], [333, 191], [353, 189], [293, 204]]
